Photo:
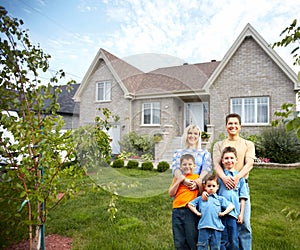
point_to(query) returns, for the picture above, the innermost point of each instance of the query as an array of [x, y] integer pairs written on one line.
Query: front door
[[194, 114], [114, 133]]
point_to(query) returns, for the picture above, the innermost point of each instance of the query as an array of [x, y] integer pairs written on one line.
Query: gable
[[118, 68], [250, 32]]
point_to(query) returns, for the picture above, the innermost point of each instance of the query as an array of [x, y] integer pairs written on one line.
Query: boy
[[210, 211], [237, 196], [184, 222]]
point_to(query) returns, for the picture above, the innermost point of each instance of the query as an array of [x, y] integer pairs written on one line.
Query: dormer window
[[103, 91]]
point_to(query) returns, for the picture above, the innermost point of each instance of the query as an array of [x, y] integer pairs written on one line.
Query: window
[[253, 110], [151, 113], [103, 91]]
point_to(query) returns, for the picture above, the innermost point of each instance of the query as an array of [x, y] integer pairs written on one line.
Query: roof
[[120, 69], [186, 79], [175, 80], [65, 100]]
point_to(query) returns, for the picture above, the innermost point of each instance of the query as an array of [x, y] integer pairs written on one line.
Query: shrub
[[163, 166], [118, 163], [279, 145], [147, 165], [132, 164], [137, 144], [125, 155], [147, 157]]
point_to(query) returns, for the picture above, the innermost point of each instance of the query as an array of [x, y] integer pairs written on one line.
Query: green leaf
[[23, 194]]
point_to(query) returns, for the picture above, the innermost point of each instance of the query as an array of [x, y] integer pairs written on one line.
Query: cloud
[[195, 31], [87, 6], [192, 31]]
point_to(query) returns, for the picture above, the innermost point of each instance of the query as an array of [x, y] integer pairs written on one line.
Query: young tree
[[289, 116], [39, 155]]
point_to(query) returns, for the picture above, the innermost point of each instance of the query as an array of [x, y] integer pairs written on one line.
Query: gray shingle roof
[[65, 99]]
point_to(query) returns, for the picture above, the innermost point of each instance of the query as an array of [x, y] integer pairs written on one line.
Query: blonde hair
[[185, 136]]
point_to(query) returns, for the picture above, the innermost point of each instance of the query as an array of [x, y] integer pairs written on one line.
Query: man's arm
[[249, 161], [227, 180], [245, 170]]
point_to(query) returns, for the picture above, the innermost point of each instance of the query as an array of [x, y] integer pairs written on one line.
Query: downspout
[[131, 98]]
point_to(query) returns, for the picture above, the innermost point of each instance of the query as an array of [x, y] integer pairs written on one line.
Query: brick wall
[[250, 72], [118, 106]]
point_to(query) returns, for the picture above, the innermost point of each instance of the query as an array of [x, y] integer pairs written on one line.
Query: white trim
[[255, 98], [151, 114], [105, 83], [298, 101]]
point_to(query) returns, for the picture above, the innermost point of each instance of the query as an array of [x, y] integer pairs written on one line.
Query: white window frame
[[106, 91], [298, 101], [242, 113], [154, 106]]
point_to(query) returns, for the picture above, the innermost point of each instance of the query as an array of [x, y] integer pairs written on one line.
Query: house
[[251, 80]]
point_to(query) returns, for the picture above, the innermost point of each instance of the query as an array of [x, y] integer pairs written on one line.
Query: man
[[246, 155]]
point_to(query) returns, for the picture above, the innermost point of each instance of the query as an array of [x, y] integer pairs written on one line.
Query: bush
[[137, 144], [279, 145], [118, 163], [147, 165], [147, 157], [163, 166], [132, 164]]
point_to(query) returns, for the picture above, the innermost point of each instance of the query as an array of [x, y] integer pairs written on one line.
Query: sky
[[147, 33]]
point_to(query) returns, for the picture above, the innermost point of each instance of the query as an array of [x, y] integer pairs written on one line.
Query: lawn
[[143, 219]]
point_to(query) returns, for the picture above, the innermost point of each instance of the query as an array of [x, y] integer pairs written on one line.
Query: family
[[212, 210]]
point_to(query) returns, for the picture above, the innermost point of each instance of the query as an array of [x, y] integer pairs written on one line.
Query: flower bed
[[276, 165]]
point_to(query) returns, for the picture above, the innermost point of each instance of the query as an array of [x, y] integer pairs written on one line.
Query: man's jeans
[[245, 232], [229, 239], [184, 225], [209, 237]]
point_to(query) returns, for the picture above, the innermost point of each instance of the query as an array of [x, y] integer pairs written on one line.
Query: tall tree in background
[[289, 116], [38, 154]]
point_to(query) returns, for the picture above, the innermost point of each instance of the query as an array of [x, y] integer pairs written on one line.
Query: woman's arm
[[175, 184], [177, 172], [176, 162]]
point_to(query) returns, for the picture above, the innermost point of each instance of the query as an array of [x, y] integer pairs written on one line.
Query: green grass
[[143, 220], [271, 191]]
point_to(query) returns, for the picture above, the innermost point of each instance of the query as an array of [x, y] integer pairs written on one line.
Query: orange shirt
[[184, 195]]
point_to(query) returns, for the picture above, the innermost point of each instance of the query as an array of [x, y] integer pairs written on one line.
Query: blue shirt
[[233, 195], [202, 160], [210, 211]]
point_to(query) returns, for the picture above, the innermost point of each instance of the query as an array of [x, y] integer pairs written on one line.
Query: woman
[[192, 140], [183, 219]]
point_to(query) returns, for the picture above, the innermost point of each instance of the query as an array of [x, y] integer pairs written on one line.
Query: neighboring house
[[68, 108], [251, 80]]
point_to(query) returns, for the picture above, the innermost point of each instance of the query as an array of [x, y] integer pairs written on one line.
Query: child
[[210, 211], [184, 222], [237, 196]]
